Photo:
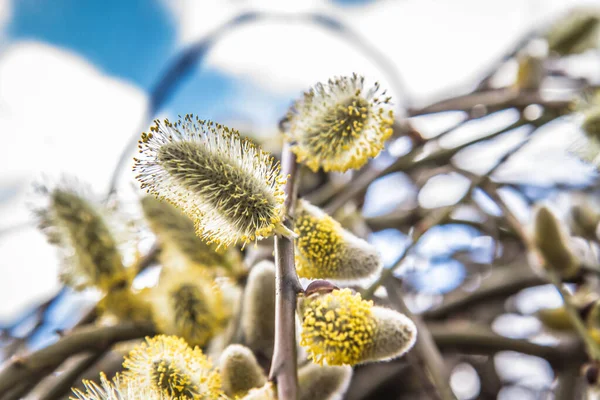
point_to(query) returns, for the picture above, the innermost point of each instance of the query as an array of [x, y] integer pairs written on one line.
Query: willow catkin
[[240, 371], [340, 328], [78, 226], [190, 305], [167, 364], [119, 388], [551, 241], [258, 313], [323, 382], [325, 250], [340, 125], [231, 188]]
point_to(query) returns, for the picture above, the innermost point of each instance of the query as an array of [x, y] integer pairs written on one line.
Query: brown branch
[[62, 384], [31, 367], [502, 282], [287, 286], [425, 347], [495, 100], [471, 338]]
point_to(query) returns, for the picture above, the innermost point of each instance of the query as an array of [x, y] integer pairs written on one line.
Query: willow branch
[[62, 384], [502, 282], [410, 161], [287, 286], [425, 346], [34, 365], [472, 338], [442, 215]]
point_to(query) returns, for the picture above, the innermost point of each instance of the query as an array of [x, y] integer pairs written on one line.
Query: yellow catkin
[[340, 125], [118, 388], [167, 364], [325, 250], [340, 328], [229, 187], [337, 327], [79, 228], [189, 304]]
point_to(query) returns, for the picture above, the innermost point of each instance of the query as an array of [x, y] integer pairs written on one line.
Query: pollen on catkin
[[325, 250], [258, 310], [167, 364], [190, 305], [552, 243], [116, 389], [240, 371], [340, 328], [180, 246], [228, 186], [340, 125], [323, 382], [575, 32], [78, 226]]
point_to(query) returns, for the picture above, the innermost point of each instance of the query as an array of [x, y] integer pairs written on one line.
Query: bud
[[258, 314], [240, 371], [116, 389], [341, 328], [207, 169], [551, 241], [189, 305], [584, 220], [530, 73], [180, 246], [266, 392], [78, 226], [325, 250], [323, 382], [574, 33], [168, 365], [339, 125]]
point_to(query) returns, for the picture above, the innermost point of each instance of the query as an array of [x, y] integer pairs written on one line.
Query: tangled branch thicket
[[236, 230]]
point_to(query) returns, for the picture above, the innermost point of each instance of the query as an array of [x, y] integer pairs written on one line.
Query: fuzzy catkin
[[258, 314], [323, 382], [340, 328], [231, 188], [240, 371], [325, 250], [340, 125], [189, 304], [79, 228], [167, 364], [551, 241]]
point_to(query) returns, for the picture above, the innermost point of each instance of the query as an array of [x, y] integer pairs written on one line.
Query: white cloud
[[58, 114], [435, 44]]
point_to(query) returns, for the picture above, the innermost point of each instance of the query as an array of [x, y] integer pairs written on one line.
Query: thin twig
[[425, 346], [63, 383], [436, 218], [591, 346], [287, 286], [473, 338]]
